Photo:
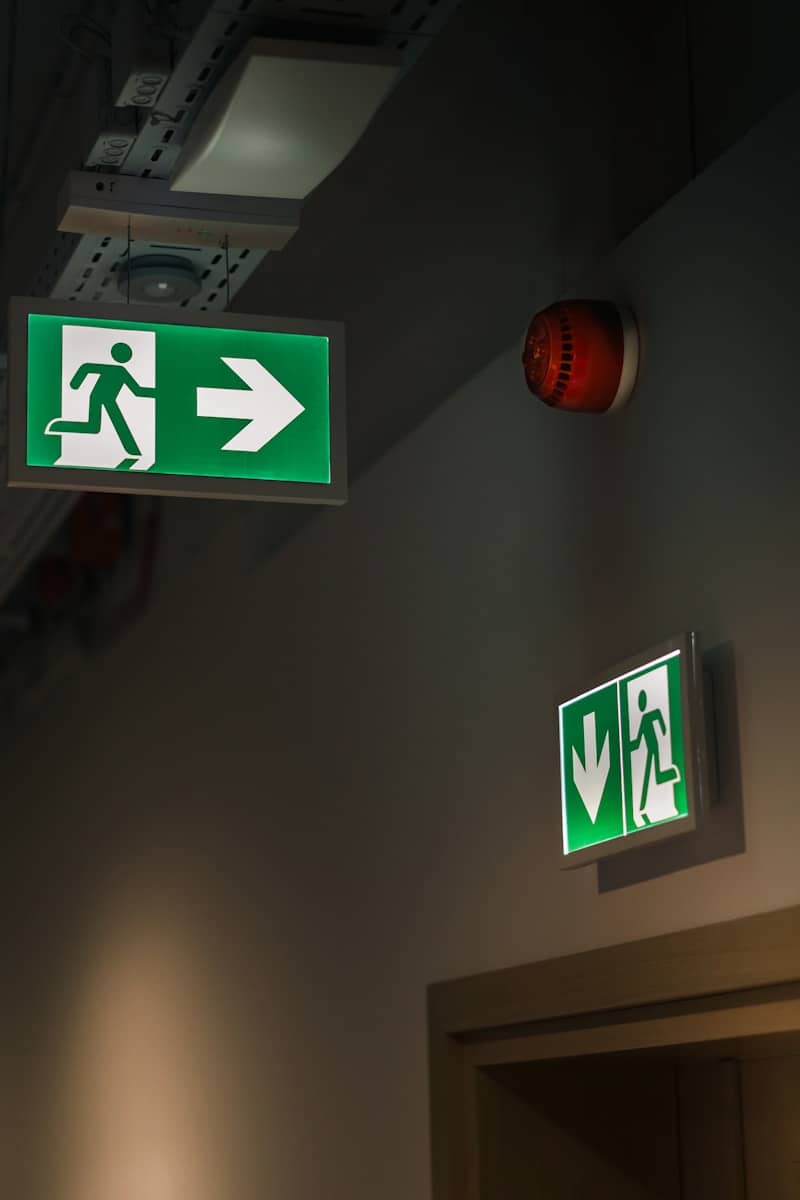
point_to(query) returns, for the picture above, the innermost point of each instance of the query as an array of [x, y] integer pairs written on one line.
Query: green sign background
[[580, 830], [608, 703], [188, 357]]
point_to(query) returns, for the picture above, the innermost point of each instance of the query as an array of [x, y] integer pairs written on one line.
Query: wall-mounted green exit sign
[[146, 399], [633, 754]]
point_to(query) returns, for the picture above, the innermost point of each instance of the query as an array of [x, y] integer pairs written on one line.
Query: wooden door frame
[[738, 978]]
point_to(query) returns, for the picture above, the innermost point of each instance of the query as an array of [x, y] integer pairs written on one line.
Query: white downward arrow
[[266, 405], [590, 776]]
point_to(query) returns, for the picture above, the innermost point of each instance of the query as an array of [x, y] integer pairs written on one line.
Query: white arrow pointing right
[[590, 776], [266, 405]]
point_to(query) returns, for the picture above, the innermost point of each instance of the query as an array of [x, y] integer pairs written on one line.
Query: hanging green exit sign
[[175, 402], [633, 754]]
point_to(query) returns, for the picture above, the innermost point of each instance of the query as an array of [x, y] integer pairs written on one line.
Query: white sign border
[[20, 474], [693, 709]]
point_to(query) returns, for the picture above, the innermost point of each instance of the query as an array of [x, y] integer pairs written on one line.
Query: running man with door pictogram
[[650, 724], [111, 378]]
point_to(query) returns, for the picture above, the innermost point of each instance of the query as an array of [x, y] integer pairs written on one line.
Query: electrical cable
[[72, 23], [5, 154], [85, 21], [691, 97]]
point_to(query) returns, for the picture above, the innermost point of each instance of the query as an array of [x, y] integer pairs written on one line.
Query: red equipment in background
[[582, 356]]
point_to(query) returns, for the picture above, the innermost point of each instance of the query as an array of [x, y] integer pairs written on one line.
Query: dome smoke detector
[[159, 279]]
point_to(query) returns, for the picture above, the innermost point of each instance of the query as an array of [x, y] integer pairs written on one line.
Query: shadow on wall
[[721, 834]]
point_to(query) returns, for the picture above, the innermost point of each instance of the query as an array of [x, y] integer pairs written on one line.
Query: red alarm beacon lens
[[581, 356], [537, 353]]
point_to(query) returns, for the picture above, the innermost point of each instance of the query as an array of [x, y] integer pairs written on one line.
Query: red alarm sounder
[[582, 356]]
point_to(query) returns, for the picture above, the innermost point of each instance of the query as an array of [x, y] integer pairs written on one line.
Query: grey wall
[[240, 845]]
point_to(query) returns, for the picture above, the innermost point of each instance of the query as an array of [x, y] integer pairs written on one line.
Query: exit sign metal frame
[[695, 731], [21, 474]]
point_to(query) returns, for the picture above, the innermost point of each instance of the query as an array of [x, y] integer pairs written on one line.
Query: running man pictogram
[[111, 378]]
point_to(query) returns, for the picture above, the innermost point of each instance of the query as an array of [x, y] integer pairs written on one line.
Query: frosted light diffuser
[[283, 117]]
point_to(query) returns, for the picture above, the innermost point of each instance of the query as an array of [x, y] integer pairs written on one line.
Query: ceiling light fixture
[[283, 117]]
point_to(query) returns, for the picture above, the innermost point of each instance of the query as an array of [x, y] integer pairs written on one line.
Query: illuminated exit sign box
[[172, 402], [633, 754]]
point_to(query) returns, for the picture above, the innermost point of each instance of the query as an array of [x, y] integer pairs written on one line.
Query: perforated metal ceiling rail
[[94, 271]]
